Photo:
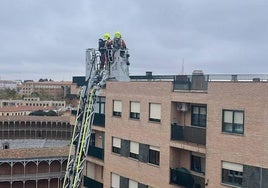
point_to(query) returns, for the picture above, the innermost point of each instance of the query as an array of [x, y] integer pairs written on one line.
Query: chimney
[[149, 73]]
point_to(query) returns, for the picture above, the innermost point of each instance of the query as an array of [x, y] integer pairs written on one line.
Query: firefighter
[[104, 43], [118, 42]]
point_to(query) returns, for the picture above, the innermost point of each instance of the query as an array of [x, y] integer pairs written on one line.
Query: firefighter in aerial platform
[[104, 45], [119, 44]]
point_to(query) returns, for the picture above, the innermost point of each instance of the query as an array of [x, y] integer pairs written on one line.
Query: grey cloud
[[41, 37]]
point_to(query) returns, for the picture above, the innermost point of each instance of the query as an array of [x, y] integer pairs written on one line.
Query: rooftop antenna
[[182, 67]]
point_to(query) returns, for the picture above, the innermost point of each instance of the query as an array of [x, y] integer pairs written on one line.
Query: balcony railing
[[88, 182], [36, 176], [96, 152], [99, 120], [184, 177], [188, 133]]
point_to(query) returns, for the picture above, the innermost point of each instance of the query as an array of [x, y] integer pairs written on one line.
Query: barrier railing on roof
[[199, 82]]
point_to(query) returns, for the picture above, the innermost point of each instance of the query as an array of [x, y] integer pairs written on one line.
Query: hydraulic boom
[[116, 68]]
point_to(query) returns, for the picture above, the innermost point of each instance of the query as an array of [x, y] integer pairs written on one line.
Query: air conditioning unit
[[182, 107]]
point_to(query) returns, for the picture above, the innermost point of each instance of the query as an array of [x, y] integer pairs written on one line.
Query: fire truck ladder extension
[[80, 138], [95, 79], [83, 146], [82, 129]]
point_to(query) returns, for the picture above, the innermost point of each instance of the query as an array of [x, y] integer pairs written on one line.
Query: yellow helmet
[[106, 36], [117, 35]]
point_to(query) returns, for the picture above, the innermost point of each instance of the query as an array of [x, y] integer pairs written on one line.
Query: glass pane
[[227, 127], [228, 117], [238, 117], [97, 110], [195, 119], [195, 110], [203, 111], [203, 120], [238, 128], [102, 110]]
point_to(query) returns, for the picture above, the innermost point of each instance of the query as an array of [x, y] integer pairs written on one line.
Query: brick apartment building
[[33, 151], [180, 131]]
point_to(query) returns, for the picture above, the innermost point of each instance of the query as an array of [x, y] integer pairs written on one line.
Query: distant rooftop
[[36, 118]]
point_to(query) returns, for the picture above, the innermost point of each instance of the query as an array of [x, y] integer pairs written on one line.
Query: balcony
[[36, 176], [99, 120], [96, 152], [184, 177], [188, 133], [88, 182]]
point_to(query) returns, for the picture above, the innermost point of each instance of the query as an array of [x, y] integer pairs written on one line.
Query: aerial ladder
[[116, 68]]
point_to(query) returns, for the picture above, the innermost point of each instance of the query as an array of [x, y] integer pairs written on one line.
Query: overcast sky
[[48, 38]]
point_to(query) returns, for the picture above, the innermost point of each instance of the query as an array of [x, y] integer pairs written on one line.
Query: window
[[116, 145], [199, 116], [233, 121], [117, 108], [232, 173], [132, 184], [100, 105], [134, 110], [92, 139], [5, 145], [198, 163], [155, 112], [154, 155], [134, 150], [115, 181]]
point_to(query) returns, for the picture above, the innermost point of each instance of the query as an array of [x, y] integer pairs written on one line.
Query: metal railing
[[99, 120], [184, 177], [188, 133], [88, 182], [96, 152], [34, 176]]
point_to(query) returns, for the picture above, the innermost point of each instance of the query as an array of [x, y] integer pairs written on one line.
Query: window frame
[[100, 105], [115, 180], [231, 176], [234, 126], [200, 166], [132, 154], [154, 119], [154, 155], [133, 183], [117, 113], [198, 116], [133, 114], [114, 148]]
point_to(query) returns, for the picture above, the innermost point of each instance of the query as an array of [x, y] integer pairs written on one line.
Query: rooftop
[[24, 108], [36, 118], [34, 152]]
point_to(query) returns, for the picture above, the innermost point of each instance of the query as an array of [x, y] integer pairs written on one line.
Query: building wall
[[19, 173], [248, 149], [32, 163], [141, 131], [55, 89]]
